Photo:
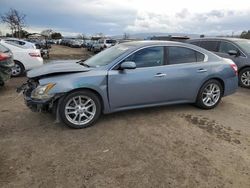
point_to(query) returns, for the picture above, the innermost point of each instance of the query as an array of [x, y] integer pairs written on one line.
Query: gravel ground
[[172, 146]]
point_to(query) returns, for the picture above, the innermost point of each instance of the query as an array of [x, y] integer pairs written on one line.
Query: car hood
[[56, 68]]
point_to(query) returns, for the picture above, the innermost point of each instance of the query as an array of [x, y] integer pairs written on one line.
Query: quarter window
[[209, 45], [225, 47], [148, 57], [178, 55]]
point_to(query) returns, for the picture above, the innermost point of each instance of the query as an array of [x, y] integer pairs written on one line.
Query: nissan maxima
[[129, 76]]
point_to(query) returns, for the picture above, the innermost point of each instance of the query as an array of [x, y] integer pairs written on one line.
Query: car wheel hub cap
[[80, 110], [16, 70], [211, 94], [245, 78]]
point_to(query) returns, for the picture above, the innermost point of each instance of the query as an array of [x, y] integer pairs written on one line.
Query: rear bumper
[[231, 85], [37, 62]]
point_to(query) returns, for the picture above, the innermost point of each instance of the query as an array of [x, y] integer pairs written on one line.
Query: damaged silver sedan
[[128, 76]]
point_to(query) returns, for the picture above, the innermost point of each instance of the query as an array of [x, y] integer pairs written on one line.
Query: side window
[[210, 45], [226, 46], [196, 43], [199, 57], [178, 55], [148, 57]]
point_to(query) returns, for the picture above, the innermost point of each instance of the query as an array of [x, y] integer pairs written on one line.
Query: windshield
[[245, 45], [107, 56]]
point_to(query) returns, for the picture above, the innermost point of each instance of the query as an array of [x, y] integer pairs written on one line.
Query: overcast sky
[[114, 17]]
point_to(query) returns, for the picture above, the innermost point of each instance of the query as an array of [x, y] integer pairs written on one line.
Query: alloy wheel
[[80, 110], [211, 94], [245, 78]]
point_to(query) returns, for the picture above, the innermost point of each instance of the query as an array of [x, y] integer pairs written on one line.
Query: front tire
[[209, 95], [80, 109], [244, 78]]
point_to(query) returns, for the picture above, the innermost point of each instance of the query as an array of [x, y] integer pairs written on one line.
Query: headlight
[[41, 92]]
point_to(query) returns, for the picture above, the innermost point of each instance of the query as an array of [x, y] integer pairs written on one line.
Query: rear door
[[185, 71]]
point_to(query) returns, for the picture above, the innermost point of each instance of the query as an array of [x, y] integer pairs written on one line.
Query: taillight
[[235, 68], [3, 56], [34, 54]]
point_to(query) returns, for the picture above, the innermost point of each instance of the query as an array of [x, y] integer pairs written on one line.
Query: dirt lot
[[64, 52], [174, 146]]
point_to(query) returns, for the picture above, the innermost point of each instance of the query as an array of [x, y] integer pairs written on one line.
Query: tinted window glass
[[177, 55], [199, 57], [209, 45], [110, 41], [226, 46], [148, 57], [197, 43]]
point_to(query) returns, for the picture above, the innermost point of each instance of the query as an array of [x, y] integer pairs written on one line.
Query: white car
[[24, 58], [106, 43], [23, 43]]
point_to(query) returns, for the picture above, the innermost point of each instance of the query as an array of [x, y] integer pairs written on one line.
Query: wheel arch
[[91, 90], [244, 67], [215, 78], [20, 63]]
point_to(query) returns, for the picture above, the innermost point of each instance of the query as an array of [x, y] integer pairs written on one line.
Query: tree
[[21, 34], [47, 32], [245, 34], [56, 35], [15, 21]]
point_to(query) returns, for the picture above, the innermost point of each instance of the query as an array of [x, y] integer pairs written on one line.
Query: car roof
[[218, 38], [144, 43]]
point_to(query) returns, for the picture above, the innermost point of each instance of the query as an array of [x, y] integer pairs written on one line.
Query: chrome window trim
[[158, 45]]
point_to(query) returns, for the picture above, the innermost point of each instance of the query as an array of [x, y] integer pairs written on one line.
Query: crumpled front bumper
[[36, 105]]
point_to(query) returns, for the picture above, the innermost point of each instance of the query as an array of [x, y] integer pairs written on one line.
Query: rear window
[[110, 41], [210, 45], [3, 49]]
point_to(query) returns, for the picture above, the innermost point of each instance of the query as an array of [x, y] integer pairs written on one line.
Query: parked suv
[[235, 49]]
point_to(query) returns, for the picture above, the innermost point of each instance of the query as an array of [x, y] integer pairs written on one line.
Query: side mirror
[[128, 65], [233, 53]]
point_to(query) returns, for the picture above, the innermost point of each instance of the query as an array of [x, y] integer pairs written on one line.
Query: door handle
[[160, 75], [201, 70]]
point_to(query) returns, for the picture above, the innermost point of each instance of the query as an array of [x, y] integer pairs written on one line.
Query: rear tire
[[18, 69], [244, 78], [80, 109], [209, 95]]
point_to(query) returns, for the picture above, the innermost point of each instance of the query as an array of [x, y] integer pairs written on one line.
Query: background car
[[6, 64], [128, 76], [75, 44], [106, 43], [24, 58], [235, 49]]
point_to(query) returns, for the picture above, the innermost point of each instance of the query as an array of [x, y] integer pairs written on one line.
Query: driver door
[[140, 86]]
